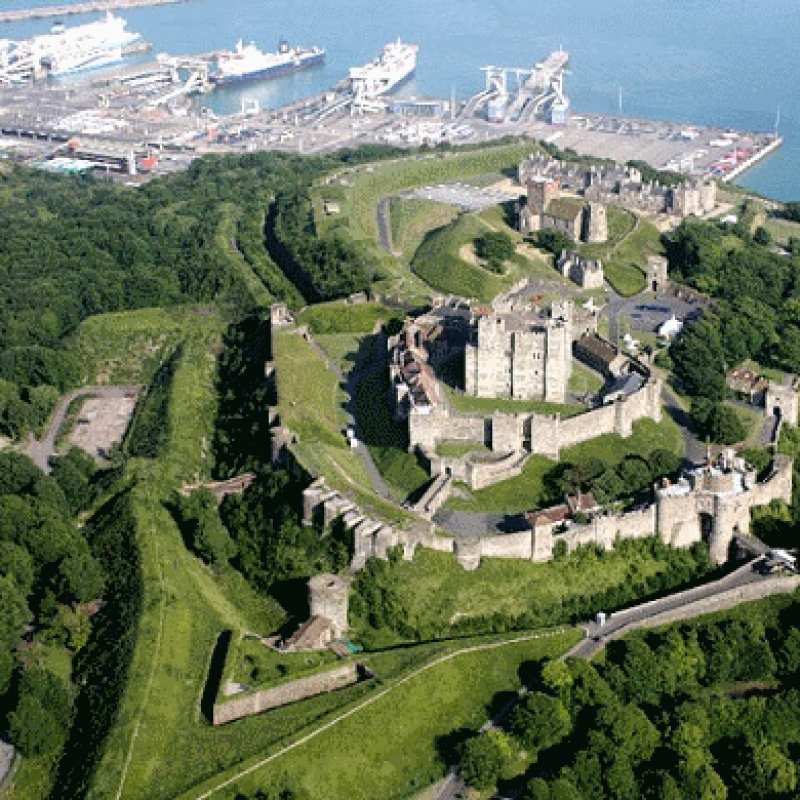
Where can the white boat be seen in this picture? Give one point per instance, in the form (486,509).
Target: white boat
(396,63)
(96,44)
(248,63)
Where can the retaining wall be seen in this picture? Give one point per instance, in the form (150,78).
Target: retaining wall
(284,694)
(721,602)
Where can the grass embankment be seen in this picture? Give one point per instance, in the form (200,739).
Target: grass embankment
(388,749)
(368,184)
(311,403)
(155,748)
(624,256)
(254,293)
(434,587)
(527,491)
(365,185)
(129,346)
(438,262)
(412,218)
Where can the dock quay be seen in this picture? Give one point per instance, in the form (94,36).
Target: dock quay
(87,7)
(157,111)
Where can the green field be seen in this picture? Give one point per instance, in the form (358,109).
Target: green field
(342,317)
(368,184)
(458,449)
(388,749)
(527,491)
(624,256)
(508,405)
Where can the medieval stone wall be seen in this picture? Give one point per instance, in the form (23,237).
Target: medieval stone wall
(286,693)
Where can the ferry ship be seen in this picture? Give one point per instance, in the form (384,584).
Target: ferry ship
(96,44)
(248,63)
(396,63)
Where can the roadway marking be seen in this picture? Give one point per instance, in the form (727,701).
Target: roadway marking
(371,700)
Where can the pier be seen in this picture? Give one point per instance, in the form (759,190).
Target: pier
(22,14)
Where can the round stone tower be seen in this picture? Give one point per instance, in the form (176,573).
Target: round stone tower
(327,597)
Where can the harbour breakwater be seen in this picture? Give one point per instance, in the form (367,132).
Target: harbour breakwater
(22,14)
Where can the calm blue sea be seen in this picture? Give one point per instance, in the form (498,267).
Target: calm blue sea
(731,64)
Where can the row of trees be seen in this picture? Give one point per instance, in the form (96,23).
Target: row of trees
(661,717)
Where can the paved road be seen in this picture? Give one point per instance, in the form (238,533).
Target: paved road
(41,450)
(382,219)
(598,635)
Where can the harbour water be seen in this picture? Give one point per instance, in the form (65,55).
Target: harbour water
(731,64)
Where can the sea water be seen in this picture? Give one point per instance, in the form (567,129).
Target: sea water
(730,64)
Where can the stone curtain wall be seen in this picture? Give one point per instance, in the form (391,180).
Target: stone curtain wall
(284,694)
(543,435)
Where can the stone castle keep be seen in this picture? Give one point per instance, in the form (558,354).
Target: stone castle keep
(526,356)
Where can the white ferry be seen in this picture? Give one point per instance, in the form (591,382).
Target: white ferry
(396,64)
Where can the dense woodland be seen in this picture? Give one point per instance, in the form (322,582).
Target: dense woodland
(50,581)
(703,710)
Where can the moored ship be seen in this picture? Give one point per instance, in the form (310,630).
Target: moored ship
(248,63)
(396,63)
(99,43)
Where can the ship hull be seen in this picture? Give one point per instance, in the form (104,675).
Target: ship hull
(276,71)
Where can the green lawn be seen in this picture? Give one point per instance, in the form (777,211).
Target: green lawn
(527,491)
(624,256)
(584,380)
(342,317)
(368,184)
(488,405)
(458,449)
(388,750)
